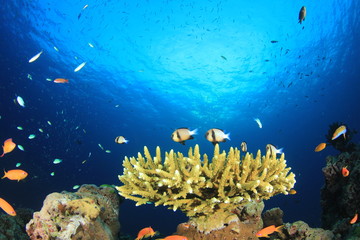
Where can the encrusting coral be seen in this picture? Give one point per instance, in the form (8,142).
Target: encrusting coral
(206,191)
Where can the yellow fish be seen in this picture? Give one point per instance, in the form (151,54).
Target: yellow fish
(340,130)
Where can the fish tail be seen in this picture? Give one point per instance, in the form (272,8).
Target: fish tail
(280,151)
(4,174)
(227,136)
(194,132)
(2,154)
(278,229)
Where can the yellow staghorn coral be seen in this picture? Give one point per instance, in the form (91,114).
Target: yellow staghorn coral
(206,191)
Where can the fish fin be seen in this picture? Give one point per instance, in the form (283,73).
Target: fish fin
(194,132)
(227,136)
(280,151)
(182,142)
(344,136)
(4,174)
(126,141)
(191,137)
(278,229)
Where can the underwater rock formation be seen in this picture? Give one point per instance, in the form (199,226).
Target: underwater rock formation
(88,214)
(340,196)
(14,227)
(243,228)
(300,230)
(207,191)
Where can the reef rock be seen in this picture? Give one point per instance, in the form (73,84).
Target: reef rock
(340,196)
(14,227)
(300,230)
(244,227)
(91,213)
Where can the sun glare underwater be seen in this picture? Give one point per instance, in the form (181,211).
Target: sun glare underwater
(142,69)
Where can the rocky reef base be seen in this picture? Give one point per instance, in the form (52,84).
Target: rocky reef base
(88,214)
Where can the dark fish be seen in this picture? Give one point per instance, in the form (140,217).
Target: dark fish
(223,57)
(274,41)
(302,14)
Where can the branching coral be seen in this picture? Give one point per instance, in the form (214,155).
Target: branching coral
(207,191)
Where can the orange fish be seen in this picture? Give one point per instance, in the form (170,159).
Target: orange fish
(15,174)
(320,147)
(8,146)
(61,80)
(7,207)
(145,232)
(269,230)
(292,191)
(354,219)
(174,237)
(345,172)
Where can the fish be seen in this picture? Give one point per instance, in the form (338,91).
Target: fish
(243,146)
(78,68)
(340,130)
(320,147)
(61,80)
(19,128)
(146,232)
(302,14)
(31,136)
(48,122)
(223,57)
(8,146)
(16,174)
(121,140)
(345,172)
(90,45)
(100,146)
(354,219)
(20,101)
(292,191)
(7,207)
(258,122)
(274,41)
(34,58)
(52,174)
(20,147)
(29,76)
(268,230)
(85,7)
(41,130)
(57,161)
(216,135)
(56,49)
(107,151)
(174,237)
(76,187)
(273,149)
(18,165)
(181,135)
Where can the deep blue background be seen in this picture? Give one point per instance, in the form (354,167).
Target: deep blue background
(170,64)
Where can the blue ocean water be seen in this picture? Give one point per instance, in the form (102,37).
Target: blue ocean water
(154,66)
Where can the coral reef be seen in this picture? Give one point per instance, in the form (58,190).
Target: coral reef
(207,191)
(340,196)
(14,227)
(300,230)
(247,223)
(89,213)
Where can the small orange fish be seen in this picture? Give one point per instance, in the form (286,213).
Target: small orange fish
(292,191)
(345,172)
(354,219)
(320,147)
(15,174)
(61,80)
(269,230)
(7,207)
(8,146)
(145,232)
(174,237)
